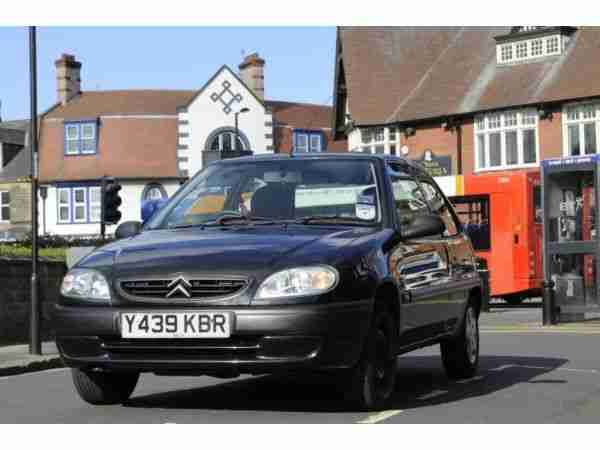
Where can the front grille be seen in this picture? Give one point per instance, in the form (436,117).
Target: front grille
(232,348)
(197,289)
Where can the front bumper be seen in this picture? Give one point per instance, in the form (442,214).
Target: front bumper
(264,340)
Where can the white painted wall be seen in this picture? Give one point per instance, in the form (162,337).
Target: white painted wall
(204,116)
(131,194)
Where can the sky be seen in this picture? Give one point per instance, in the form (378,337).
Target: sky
(299,60)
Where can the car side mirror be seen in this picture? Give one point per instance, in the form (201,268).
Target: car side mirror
(128,229)
(424,225)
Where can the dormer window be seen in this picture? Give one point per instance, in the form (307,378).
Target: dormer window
(537,47)
(522,50)
(552,45)
(531,43)
(80,138)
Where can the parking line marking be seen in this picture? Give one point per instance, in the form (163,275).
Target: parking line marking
(380,416)
(566,369)
(470,380)
(432,394)
(523,366)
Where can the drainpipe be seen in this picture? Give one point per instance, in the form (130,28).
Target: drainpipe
(459,150)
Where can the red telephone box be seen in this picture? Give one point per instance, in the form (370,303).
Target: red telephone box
(501,212)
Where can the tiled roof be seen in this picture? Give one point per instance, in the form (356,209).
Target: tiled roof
(142,148)
(18,167)
(22,125)
(402,74)
(125,102)
(300,115)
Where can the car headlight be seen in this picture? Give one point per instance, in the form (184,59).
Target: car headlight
(85,284)
(298,282)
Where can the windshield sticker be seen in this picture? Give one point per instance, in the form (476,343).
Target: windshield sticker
(365,212)
(365,199)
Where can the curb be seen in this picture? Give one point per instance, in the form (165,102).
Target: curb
(25,366)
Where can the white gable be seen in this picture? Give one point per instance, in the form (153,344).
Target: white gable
(212,112)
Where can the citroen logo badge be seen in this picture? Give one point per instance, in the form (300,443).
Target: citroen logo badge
(179,286)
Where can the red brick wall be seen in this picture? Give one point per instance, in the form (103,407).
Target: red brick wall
(284,141)
(127,148)
(431,137)
(444,142)
(550,136)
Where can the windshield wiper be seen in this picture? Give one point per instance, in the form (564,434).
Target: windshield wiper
(185,225)
(245,220)
(329,218)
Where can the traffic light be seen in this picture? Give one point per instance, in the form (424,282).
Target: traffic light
(110,201)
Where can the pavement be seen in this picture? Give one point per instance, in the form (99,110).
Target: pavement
(15,359)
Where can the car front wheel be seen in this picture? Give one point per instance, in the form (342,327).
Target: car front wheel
(460,355)
(372,380)
(104,388)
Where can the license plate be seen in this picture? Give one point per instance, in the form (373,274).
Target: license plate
(176,325)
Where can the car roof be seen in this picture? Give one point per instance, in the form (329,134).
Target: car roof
(416,167)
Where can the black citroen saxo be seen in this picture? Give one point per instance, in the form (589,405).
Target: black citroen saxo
(265,264)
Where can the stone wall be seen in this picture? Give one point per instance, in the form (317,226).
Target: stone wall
(15,297)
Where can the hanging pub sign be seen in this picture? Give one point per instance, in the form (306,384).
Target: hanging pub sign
(436,166)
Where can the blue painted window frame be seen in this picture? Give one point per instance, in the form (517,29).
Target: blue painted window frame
(79,125)
(309,135)
(71,188)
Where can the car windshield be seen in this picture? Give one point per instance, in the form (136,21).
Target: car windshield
(303,190)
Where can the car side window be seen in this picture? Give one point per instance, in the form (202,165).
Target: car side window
(408,198)
(439,205)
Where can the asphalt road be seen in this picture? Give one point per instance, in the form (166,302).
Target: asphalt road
(523,379)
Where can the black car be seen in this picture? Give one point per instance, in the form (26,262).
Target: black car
(260,265)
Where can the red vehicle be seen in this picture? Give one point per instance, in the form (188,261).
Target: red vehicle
(502,214)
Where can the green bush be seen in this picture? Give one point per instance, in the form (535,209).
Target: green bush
(20,251)
(56,241)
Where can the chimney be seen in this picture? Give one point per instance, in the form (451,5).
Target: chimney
(68,82)
(252,72)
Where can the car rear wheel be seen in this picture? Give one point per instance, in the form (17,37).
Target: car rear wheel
(104,388)
(372,380)
(461,354)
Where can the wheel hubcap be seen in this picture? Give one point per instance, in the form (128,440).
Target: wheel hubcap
(472,335)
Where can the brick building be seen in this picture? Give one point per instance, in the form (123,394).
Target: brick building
(469,99)
(153,140)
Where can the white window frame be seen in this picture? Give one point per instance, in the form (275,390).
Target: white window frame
(76,204)
(92,204)
(82,139)
(483,128)
(76,127)
(305,146)
(4,205)
(390,137)
(72,204)
(506,53)
(63,205)
(315,143)
(580,121)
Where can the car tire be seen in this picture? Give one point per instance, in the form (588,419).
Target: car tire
(460,355)
(104,388)
(372,380)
